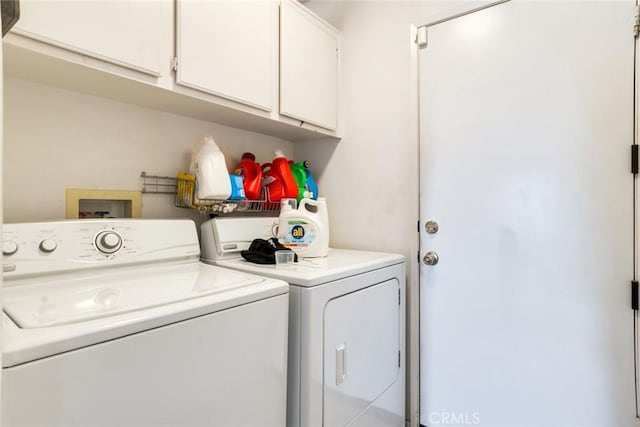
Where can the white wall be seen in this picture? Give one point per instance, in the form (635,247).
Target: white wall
(370,178)
(57,139)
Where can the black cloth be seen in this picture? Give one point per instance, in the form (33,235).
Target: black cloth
(264,251)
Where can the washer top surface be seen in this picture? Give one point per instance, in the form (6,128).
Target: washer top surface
(67,299)
(72,311)
(340,263)
(67,286)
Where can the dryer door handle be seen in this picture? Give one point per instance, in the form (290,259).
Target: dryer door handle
(341,363)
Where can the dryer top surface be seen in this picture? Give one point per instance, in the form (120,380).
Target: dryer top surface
(340,263)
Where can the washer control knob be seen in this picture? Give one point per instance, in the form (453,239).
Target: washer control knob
(9,247)
(48,245)
(108,242)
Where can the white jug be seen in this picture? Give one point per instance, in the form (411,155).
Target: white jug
(210,168)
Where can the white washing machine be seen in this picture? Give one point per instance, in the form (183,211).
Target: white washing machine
(346,327)
(117,323)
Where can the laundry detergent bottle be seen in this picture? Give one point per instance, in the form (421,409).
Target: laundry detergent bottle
(311,185)
(300,175)
(305,230)
(210,169)
(278,179)
(251,176)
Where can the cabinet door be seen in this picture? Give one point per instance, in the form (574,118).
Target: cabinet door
(229,48)
(308,67)
(126,33)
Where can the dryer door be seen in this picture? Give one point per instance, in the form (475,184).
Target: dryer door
(361,350)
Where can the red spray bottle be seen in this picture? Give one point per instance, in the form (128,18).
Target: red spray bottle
(278,179)
(251,175)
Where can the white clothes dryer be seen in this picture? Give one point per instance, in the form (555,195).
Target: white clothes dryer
(346,327)
(117,323)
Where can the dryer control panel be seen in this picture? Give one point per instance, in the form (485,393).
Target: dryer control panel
(51,247)
(224,238)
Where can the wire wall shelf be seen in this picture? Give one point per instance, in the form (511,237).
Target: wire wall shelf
(184,191)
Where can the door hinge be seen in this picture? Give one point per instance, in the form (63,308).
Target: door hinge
(636,23)
(634,159)
(398,358)
(418,226)
(421,37)
(634,295)
(174,63)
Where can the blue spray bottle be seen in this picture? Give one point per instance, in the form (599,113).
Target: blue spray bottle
(311,183)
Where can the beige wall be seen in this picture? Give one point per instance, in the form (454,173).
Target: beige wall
(57,139)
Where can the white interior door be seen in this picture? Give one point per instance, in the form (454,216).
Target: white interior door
(525,132)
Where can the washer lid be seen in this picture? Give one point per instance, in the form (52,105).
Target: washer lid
(340,263)
(74,298)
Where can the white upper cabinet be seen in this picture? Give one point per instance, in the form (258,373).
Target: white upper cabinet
(269,66)
(309,61)
(126,33)
(229,48)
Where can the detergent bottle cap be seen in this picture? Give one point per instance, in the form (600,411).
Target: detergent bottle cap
(250,156)
(288,204)
(211,143)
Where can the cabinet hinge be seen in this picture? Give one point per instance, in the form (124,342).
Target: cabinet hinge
(421,37)
(634,159)
(636,23)
(398,296)
(398,358)
(174,63)
(634,295)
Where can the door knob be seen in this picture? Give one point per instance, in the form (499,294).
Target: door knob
(431,258)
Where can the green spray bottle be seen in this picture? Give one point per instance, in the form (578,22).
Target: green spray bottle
(300,175)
